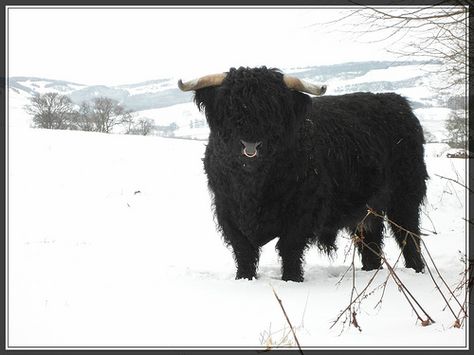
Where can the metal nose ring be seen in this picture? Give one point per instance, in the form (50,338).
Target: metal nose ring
(250,149)
(249,155)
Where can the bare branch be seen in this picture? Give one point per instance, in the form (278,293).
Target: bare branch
(288,320)
(456,182)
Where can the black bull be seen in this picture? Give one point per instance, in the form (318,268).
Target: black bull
(281,164)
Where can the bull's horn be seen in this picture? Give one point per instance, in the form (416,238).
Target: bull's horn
(202,82)
(303,86)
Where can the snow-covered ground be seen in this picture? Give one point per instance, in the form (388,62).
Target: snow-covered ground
(182,115)
(112,243)
(433,120)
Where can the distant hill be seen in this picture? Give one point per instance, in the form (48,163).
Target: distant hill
(159,93)
(140,96)
(173,113)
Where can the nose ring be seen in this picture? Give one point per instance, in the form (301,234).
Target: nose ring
(249,155)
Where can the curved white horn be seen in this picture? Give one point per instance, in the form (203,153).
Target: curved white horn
(202,82)
(303,86)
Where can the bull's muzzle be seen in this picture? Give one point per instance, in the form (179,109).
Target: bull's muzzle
(250,149)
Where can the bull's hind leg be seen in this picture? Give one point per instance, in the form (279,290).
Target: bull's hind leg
(406,215)
(371,232)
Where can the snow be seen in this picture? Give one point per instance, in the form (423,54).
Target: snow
(436,149)
(395,73)
(152,87)
(391,74)
(433,120)
(44,86)
(182,115)
(112,242)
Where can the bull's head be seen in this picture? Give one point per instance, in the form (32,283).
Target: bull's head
(253,111)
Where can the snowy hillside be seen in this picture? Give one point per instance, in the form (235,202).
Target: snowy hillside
(150,86)
(112,243)
(163,103)
(140,96)
(29,86)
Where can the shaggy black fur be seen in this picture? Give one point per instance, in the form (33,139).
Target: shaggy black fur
(320,163)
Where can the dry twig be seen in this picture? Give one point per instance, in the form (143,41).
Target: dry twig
(413,302)
(288,320)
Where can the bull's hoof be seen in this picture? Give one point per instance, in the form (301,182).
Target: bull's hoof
(415,264)
(294,278)
(372,267)
(417,267)
(240,276)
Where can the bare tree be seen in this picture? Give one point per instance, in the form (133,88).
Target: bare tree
(438,33)
(434,32)
(429,137)
(83,119)
(457,130)
(144,126)
(51,110)
(107,113)
(129,124)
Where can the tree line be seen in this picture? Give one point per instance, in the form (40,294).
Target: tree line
(54,111)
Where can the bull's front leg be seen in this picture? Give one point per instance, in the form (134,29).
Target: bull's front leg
(246,255)
(291,247)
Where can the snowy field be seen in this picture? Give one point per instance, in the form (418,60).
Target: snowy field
(112,243)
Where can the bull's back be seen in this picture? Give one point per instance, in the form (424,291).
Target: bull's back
(363,140)
(366,111)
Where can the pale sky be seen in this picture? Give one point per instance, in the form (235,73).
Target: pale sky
(114,46)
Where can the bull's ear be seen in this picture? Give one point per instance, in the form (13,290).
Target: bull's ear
(302,104)
(204,98)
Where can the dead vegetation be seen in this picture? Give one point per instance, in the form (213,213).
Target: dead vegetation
(455,298)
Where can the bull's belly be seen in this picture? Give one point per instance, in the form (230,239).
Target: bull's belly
(348,216)
(262,234)
(261,231)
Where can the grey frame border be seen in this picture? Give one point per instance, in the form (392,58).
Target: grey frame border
(199,348)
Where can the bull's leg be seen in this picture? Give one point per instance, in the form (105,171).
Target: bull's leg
(291,250)
(371,247)
(406,215)
(246,255)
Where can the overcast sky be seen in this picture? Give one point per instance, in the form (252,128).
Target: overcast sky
(129,45)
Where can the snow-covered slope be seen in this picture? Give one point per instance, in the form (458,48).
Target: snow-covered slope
(29,86)
(112,243)
(163,103)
